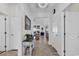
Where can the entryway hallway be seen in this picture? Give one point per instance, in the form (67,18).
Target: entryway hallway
(22,24)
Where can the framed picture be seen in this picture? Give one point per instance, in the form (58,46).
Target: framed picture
(34,26)
(27,23)
(38,26)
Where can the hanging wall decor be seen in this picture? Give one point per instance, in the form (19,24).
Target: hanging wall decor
(27,23)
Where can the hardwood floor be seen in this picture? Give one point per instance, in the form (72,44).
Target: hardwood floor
(9,53)
(43,49)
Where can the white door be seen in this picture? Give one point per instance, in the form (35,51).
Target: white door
(2,35)
(14,33)
(72,33)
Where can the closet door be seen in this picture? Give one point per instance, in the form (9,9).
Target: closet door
(72,33)
(14,33)
(2,33)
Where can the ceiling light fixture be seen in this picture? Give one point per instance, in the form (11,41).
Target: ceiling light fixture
(42,5)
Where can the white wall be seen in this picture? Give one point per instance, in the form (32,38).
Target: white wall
(57,30)
(74,7)
(3,9)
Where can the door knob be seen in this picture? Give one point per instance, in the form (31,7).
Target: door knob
(12,34)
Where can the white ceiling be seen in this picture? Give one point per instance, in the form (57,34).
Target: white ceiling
(34,8)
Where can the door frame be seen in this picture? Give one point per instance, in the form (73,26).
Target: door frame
(5,32)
